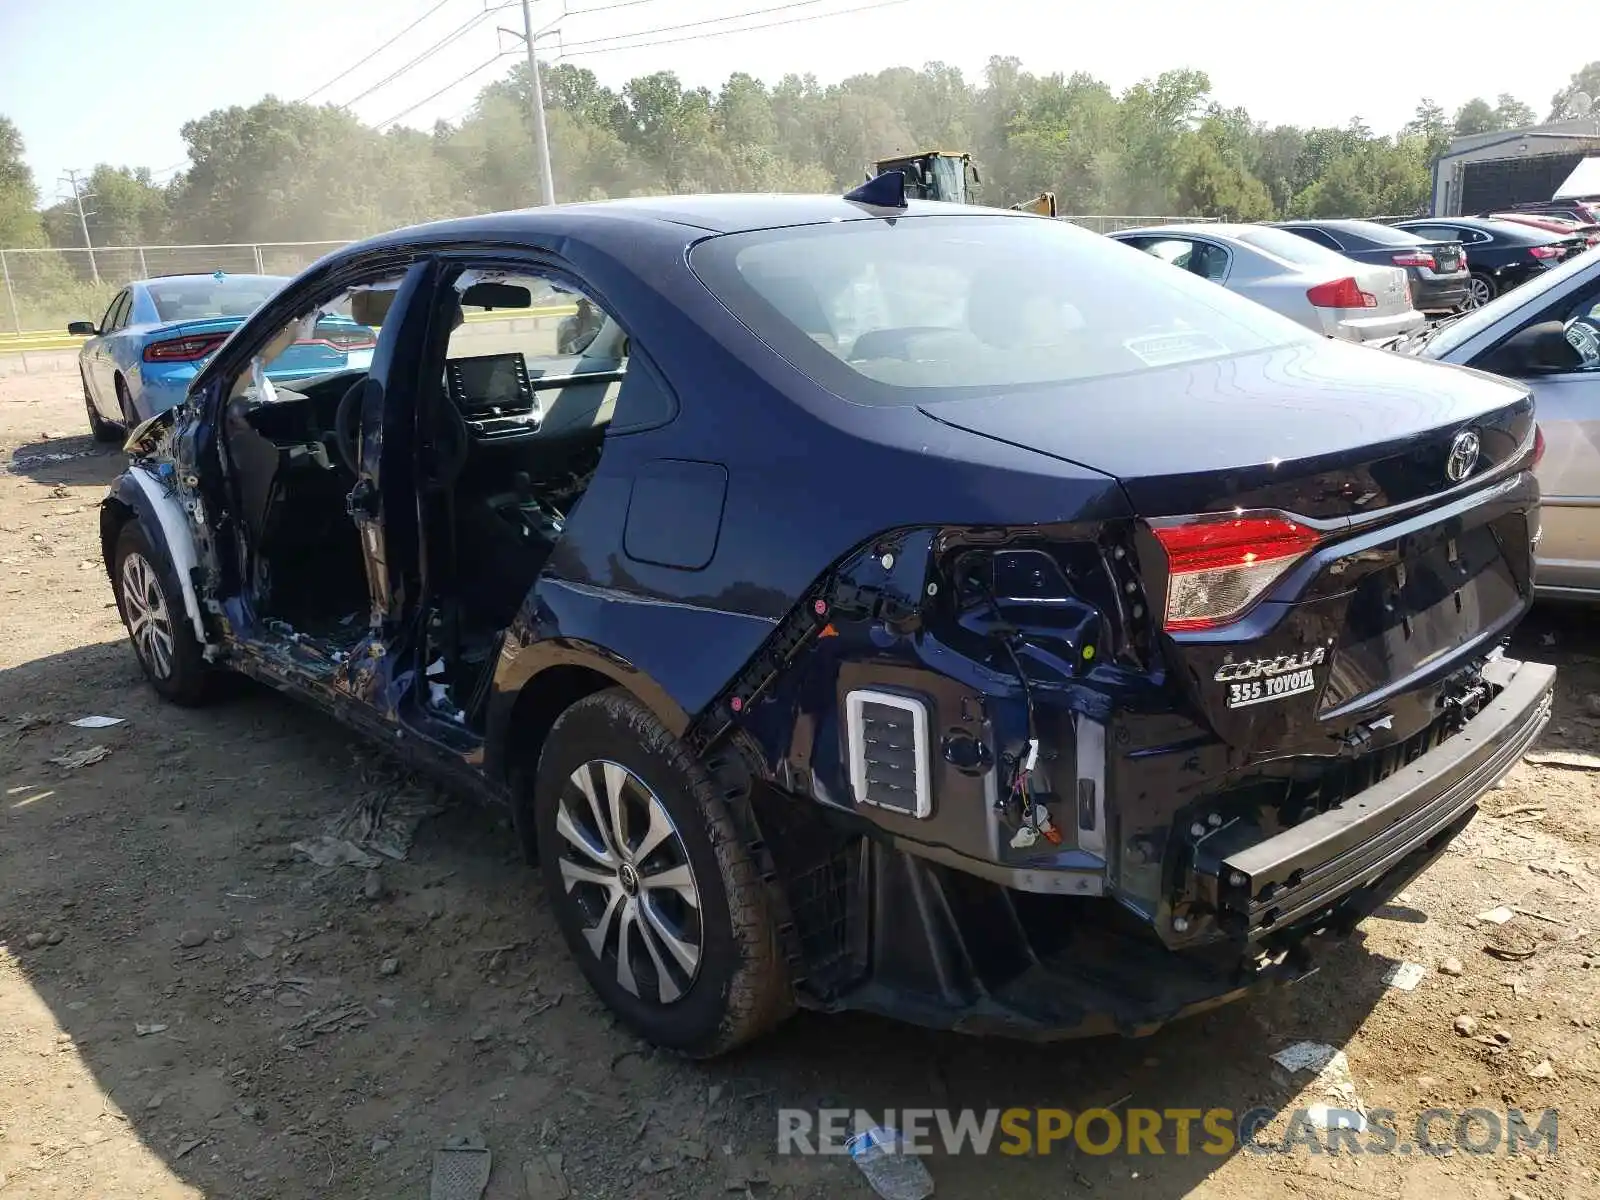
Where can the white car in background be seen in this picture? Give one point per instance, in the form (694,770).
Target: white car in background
(1320,288)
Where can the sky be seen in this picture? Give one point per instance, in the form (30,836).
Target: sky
(114,80)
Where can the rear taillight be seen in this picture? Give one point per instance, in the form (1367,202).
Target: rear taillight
(184,349)
(1545,252)
(1218,566)
(1341,293)
(1415,258)
(1538,445)
(341,339)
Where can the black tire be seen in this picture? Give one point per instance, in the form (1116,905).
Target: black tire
(103,430)
(151,605)
(1481,289)
(130,415)
(739,986)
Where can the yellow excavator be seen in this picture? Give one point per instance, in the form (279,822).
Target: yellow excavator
(950,175)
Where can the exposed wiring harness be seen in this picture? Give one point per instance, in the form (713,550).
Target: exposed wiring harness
(1008,635)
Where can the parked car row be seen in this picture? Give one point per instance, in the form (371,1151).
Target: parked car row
(1315,286)
(1448,264)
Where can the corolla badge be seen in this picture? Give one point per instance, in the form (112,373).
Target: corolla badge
(1463,456)
(1260,680)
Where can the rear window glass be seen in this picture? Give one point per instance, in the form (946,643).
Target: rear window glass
(922,308)
(1290,247)
(192,299)
(1378,235)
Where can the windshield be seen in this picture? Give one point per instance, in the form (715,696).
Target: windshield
(1475,322)
(229,296)
(898,311)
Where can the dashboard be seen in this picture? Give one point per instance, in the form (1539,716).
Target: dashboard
(501,400)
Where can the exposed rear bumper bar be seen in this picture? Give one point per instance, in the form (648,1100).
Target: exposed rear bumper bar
(1300,873)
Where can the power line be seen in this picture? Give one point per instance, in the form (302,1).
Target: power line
(454,82)
(694,37)
(617,37)
(581,12)
(606,49)
(362,62)
(455,35)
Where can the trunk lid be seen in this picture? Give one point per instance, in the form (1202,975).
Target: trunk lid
(1317,428)
(1448,257)
(1387,285)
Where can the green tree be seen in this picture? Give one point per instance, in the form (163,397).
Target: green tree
(1475,116)
(19,222)
(1431,125)
(1585,80)
(1511,113)
(1211,181)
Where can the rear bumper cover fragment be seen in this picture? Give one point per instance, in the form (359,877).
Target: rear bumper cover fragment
(1303,871)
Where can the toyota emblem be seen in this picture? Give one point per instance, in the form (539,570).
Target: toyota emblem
(1463,456)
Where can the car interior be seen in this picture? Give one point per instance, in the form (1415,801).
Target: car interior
(511,436)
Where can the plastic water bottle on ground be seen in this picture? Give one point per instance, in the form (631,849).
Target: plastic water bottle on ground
(893,1174)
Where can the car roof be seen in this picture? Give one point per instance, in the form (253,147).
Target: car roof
(726,213)
(1215,228)
(1510,230)
(202,276)
(1347,224)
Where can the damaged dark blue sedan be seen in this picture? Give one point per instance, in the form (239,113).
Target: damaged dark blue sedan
(929,610)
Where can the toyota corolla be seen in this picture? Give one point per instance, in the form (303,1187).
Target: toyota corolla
(904,607)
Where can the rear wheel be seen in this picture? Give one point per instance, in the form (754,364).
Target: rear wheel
(152,608)
(103,430)
(130,415)
(652,887)
(1480,290)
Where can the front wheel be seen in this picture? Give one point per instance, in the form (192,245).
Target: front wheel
(654,891)
(152,608)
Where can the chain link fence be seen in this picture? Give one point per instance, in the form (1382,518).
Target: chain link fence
(44,289)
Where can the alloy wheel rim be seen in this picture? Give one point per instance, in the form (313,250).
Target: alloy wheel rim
(625,868)
(149,621)
(1477,294)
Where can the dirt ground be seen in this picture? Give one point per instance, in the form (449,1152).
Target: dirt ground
(207,1013)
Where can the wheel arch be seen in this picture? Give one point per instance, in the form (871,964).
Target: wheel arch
(520,722)
(135,496)
(537,686)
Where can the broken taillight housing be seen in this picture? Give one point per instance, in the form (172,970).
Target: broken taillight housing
(1218,566)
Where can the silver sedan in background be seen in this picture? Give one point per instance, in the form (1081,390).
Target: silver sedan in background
(1320,288)
(1546,334)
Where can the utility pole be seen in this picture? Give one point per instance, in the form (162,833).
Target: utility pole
(541,137)
(71,179)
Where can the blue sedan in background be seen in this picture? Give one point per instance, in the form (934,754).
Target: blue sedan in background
(158,333)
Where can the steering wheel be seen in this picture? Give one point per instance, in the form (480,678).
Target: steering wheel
(347,426)
(1584,337)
